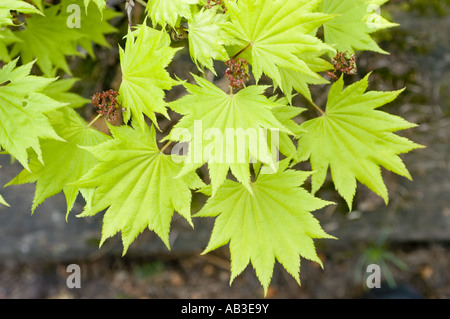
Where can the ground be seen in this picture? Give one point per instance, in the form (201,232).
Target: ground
(418,61)
(194,276)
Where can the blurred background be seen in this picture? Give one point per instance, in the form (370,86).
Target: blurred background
(409,238)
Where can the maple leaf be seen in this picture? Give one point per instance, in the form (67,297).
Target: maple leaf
(350,30)
(6,6)
(23,110)
(2,201)
(58,91)
(210,113)
(354,140)
(291,79)
(38,4)
(7,38)
(135,181)
(144,77)
(274,222)
(169,12)
(49,40)
(285,113)
(101,4)
(207,39)
(65,162)
(272,33)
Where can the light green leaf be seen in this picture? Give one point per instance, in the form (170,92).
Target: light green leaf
(207,39)
(224,130)
(65,162)
(58,91)
(354,140)
(356,20)
(6,6)
(49,39)
(144,77)
(101,4)
(274,33)
(23,109)
(285,113)
(169,12)
(135,182)
(7,38)
(291,79)
(271,223)
(2,201)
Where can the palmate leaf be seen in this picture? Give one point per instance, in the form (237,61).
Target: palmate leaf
(2,201)
(59,91)
(169,12)
(7,38)
(207,38)
(144,77)
(65,162)
(275,33)
(49,39)
(285,113)
(274,222)
(101,4)
(292,80)
(354,140)
(23,109)
(135,182)
(214,123)
(356,19)
(6,6)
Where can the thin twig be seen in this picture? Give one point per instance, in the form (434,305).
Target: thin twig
(316,107)
(95,119)
(165,146)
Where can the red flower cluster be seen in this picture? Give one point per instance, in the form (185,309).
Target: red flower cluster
(107,104)
(237,72)
(343,64)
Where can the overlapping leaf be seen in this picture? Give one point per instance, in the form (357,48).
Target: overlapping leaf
(224,129)
(49,39)
(7,38)
(2,200)
(65,162)
(135,182)
(101,4)
(272,223)
(60,91)
(144,77)
(292,80)
(285,113)
(273,33)
(23,109)
(169,12)
(207,39)
(350,30)
(6,6)
(354,140)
